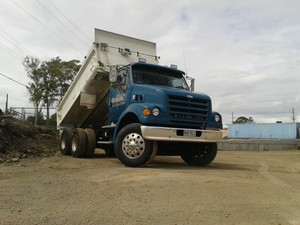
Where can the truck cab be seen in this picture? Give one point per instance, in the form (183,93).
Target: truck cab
(136,110)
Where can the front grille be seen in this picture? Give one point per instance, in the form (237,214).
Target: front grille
(188,110)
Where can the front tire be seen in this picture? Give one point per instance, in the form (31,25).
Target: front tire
(200,154)
(132,149)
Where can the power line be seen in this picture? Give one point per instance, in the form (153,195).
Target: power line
(48,29)
(82,41)
(18,100)
(74,25)
(13,80)
(15,41)
(8,50)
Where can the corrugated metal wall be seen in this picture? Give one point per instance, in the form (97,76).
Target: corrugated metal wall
(264,130)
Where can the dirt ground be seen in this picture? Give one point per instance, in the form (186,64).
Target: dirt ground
(20,140)
(237,188)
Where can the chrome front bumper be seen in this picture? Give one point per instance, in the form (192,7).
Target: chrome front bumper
(180,134)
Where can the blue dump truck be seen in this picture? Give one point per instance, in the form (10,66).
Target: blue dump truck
(124,102)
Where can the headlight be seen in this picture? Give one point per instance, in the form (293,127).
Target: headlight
(155,112)
(217,118)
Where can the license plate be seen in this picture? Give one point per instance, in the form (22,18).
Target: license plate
(189,133)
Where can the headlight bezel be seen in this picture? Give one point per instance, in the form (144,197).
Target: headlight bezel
(217,118)
(155,111)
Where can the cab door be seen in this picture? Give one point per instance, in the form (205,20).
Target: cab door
(118,95)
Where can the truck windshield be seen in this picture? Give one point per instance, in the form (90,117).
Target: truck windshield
(159,77)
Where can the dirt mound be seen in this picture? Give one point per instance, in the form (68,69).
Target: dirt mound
(19,139)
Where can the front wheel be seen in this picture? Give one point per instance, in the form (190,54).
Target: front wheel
(200,154)
(132,149)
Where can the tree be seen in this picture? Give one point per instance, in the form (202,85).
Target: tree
(50,73)
(49,80)
(243,120)
(40,119)
(67,72)
(31,65)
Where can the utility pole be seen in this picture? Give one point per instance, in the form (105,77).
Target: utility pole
(293,115)
(6,105)
(232,117)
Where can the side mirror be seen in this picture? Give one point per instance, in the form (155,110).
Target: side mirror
(192,80)
(113,74)
(192,84)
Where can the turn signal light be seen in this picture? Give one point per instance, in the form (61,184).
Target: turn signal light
(146,112)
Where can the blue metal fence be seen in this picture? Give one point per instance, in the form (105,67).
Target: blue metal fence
(264,130)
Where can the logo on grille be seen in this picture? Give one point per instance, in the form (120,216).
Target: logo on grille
(189,96)
(185,116)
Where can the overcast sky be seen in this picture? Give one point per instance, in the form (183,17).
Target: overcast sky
(244,54)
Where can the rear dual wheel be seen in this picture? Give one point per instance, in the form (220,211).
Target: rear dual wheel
(78,142)
(90,142)
(65,141)
(78,146)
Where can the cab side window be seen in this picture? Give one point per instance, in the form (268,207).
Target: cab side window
(123,77)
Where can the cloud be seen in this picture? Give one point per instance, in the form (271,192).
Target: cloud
(244,54)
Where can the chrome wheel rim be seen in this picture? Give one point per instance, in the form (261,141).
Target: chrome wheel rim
(74,143)
(63,142)
(133,145)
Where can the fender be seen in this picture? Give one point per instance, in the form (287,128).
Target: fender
(133,110)
(216,124)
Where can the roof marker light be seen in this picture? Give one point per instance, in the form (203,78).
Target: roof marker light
(124,51)
(142,60)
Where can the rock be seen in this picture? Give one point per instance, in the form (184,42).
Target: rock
(2,123)
(15,159)
(24,156)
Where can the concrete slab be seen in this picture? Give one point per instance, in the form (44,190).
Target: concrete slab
(258,144)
